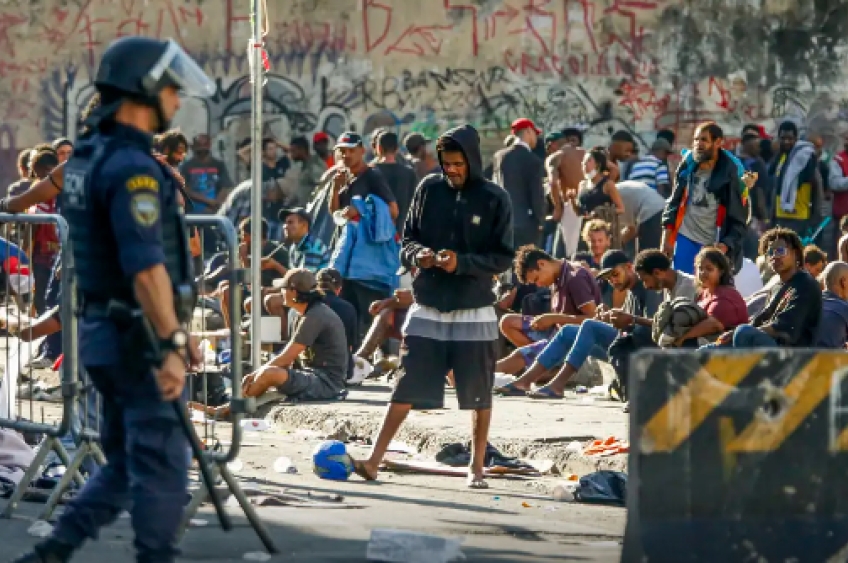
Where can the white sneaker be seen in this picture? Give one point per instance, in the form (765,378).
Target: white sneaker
(361,370)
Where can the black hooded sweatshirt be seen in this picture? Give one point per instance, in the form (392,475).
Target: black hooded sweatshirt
(474,221)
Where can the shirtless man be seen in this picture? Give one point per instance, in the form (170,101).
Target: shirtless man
(565,171)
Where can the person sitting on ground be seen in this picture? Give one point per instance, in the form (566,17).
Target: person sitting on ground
(575,295)
(833,329)
(389,315)
(717,296)
(318,344)
(305,250)
(815,260)
(575,344)
(794,306)
(274,266)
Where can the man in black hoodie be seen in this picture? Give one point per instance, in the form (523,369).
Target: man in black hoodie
(458,234)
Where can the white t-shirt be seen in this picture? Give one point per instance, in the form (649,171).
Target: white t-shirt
(748,280)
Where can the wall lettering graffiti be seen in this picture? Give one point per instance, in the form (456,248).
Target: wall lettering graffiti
(604,65)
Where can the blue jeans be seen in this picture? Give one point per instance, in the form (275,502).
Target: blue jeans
(575,344)
(747,336)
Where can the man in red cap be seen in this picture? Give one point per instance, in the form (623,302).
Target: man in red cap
(321,143)
(519,171)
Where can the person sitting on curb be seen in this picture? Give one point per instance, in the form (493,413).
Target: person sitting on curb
(318,341)
(575,344)
(575,296)
(794,307)
(833,329)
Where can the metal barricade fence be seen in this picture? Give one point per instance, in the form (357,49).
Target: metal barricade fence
(26,272)
(216,323)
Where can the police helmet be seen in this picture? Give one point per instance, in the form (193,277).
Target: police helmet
(142,66)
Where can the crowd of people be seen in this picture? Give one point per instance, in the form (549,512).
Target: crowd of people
(584,253)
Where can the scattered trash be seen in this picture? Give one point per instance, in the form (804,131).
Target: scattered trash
(340,430)
(235,466)
(561,493)
(496,498)
(574,447)
(285,465)
(401,447)
(608,446)
(40,529)
(255,425)
(580,389)
(197,523)
(526,505)
(256,556)
(400,546)
(599,391)
(602,487)
(544,466)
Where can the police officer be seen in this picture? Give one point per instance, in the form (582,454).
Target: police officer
(133,267)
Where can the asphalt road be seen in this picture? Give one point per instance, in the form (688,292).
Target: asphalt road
(514,521)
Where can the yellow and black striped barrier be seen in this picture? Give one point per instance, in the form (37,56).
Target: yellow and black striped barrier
(738,456)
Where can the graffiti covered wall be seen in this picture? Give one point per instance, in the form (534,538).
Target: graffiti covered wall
(425,65)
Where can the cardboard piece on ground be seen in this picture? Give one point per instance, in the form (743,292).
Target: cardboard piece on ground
(436,468)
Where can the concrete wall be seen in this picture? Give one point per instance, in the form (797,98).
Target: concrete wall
(424,65)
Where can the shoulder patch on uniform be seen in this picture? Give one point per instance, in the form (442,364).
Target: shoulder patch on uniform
(145,209)
(142,182)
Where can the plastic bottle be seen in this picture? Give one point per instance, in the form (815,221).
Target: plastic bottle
(208,352)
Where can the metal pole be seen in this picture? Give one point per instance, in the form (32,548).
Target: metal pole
(255,54)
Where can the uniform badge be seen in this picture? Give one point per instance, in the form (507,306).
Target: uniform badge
(145,209)
(475,220)
(142,182)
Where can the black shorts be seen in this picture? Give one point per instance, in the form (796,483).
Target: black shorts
(427,361)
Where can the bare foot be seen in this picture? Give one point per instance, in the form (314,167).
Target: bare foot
(364,470)
(220,412)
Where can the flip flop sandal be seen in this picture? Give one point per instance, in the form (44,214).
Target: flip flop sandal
(510,390)
(359,469)
(476,483)
(544,393)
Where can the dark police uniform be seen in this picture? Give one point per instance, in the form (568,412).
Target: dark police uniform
(122,210)
(124,218)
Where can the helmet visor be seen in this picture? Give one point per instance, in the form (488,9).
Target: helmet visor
(176,68)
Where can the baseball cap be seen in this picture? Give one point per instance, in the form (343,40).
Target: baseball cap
(298,279)
(661,145)
(612,259)
(329,278)
(320,137)
(299,211)
(524,123)
(348,140)
(554,137)
(415,141)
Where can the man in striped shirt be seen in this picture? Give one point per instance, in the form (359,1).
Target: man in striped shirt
(305,250)
(652,169)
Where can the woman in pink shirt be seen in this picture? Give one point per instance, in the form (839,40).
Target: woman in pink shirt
(724,305)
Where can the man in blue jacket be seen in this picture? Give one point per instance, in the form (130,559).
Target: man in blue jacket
(458,233)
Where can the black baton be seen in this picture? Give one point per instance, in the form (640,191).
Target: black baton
(223,517)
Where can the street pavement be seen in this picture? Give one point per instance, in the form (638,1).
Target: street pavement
(516,520)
